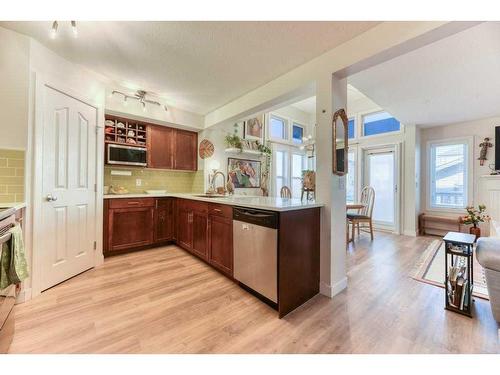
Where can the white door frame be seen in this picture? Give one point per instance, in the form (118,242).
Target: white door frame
(42,81)
(398,179)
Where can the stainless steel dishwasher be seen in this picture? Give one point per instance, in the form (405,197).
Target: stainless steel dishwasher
(255,246)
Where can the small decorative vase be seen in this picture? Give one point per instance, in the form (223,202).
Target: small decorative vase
(475,231)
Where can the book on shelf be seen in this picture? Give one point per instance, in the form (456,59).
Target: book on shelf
(457,285)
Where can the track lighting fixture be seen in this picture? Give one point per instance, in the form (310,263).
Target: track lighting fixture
(140,96)
(53,30)
(55,26)
(74,29)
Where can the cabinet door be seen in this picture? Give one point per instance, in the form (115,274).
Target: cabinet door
(185,150)
(221,243)
(160,147)
(164,220)
(200,234)
(184,228)
(130,227)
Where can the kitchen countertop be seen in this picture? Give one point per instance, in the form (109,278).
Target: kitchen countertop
(7,209)
(265,203)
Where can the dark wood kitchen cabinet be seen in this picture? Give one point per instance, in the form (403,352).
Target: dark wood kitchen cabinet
(160,147)
(164,220)
(185,150)
(128,223)
(192,227)
(220,238)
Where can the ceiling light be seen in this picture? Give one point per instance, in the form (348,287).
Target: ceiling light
(74,29)
(53,30)
(140,96)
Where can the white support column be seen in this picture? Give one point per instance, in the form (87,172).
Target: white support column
(411,180)
(331,94)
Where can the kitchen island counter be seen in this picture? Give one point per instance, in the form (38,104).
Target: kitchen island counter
(263,203)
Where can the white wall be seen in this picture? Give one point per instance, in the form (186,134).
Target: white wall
(14,89)
(479,129)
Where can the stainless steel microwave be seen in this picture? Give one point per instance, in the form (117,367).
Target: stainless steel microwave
(126,155)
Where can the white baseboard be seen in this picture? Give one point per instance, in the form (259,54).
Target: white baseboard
(332,290)
(411,233)
(24,295)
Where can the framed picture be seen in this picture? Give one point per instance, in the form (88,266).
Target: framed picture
(244,173)
(254,128)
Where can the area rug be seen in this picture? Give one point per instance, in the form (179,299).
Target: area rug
(430,269)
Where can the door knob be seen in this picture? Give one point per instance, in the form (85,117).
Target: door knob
(51,198)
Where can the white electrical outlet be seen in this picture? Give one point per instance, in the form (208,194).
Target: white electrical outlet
(138,182)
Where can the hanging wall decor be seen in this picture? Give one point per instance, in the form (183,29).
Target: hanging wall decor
(484,150)
(206,149)
(339,142)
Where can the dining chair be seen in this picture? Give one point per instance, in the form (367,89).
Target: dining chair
(364,215)
(285,192)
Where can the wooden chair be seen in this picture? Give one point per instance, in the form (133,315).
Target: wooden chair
(285,192)
(364,215)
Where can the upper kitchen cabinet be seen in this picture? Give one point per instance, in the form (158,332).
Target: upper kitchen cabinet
(185,150)
(160,147)
(148,145)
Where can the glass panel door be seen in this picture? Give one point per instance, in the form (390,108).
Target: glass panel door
(380,171)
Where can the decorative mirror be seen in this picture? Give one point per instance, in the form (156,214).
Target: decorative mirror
(340,124)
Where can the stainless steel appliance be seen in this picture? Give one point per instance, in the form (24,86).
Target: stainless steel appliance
(255,245)
(7,295)
(126,155)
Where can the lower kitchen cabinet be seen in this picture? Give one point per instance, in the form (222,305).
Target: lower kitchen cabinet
(129,228)
(164,220)
(220,234)
(200,234)
(192,227)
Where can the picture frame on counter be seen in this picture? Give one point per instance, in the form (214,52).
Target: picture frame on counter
(244,173)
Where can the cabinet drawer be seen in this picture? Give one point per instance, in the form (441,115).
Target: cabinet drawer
(220,210)
(130,202)
(164,202)
(189,205)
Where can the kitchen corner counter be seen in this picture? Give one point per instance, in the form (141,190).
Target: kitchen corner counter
(264,203)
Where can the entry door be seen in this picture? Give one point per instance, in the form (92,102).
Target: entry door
(68,187)
(381,174)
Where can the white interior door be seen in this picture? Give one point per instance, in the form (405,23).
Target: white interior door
(68,187)
(381,174)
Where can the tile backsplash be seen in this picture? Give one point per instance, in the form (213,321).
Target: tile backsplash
(152,179)
(11,176)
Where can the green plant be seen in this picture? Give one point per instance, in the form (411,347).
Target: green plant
(233,140)
(474,216)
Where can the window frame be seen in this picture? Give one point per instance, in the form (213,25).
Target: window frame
(299,125)
(362,125)
(286,125)
(468,173)
(355,122)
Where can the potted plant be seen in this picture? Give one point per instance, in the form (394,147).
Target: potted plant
(474,217)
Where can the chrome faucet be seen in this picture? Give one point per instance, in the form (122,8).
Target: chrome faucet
(223,181)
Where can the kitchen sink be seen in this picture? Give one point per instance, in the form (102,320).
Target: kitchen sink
(211,196)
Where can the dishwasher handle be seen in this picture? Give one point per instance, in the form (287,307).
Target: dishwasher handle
(261,218)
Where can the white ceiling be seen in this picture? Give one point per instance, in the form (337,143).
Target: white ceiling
(197,66)
(353,97)
(453,80)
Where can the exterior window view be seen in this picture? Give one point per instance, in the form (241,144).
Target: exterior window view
(238,184)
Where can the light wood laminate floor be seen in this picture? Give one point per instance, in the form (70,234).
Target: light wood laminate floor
(166,301)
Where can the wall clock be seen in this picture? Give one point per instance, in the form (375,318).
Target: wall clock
(206,149)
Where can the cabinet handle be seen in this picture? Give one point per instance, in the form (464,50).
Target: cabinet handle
(133,203)
(217,210)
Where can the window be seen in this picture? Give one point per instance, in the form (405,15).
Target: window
(288,166)
(350,128)
(378,123)
(351,177)
(277,129)
(297,133)
(298,165)
(448,174)
(281,169)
